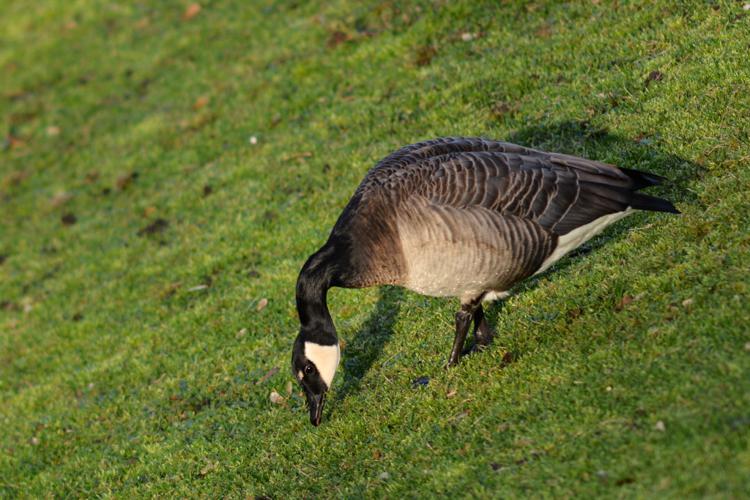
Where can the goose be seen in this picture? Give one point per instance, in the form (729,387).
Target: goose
(456,217)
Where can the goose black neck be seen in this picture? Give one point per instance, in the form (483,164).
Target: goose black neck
(314,280)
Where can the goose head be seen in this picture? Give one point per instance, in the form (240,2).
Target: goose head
(314,366)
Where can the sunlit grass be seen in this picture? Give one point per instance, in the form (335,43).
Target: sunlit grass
(137,361)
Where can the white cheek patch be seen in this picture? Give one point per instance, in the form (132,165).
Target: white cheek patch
(325,358)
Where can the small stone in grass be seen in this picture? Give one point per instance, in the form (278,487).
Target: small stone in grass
(241,333)
(687,303)
(276,398)
(384,476)
(746,6)
(420,382)
(53,130)
(659,426)
(289,388)
(210,466)
(253,140)
(34,441)
(262,303)
(747,346)
(28,304)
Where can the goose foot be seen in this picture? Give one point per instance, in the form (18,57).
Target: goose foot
(483,334)
(471,311)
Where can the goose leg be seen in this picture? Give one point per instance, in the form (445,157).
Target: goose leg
(483,334)
(463,320)
(464,317)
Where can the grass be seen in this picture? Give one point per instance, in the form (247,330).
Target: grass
(162,171)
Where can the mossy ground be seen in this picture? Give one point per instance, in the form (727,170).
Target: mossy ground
(164,169)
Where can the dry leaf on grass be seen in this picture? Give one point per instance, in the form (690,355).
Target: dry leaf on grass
(191,11)
(270,373)
(158,226)
(68,219)
(201,102)
(60,198)
(125,180)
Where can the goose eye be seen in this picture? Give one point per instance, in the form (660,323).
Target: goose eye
(309,369)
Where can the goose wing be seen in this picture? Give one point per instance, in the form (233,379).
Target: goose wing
(558,192)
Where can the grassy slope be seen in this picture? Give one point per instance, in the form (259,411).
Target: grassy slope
(116,378)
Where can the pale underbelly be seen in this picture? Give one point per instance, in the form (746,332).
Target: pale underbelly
(439,266)
(453,269)
(450,252)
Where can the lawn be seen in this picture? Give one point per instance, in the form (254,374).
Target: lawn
(166,169)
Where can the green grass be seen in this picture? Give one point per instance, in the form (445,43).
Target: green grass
(118,377)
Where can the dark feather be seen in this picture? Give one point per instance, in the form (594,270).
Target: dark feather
(559,192)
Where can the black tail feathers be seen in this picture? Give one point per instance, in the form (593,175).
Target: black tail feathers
(645,202)
(642,179)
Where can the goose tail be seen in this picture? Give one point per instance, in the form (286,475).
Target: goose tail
(641,201)
(642,179)
(652,203)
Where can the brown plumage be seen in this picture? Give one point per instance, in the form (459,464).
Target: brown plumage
(496,209)
(465,217)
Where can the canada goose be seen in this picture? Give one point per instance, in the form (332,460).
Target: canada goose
(456,217)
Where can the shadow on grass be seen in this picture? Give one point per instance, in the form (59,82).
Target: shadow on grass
(367,344)
(579,138)
(569,137)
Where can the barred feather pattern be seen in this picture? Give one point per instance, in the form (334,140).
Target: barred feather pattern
(464,216)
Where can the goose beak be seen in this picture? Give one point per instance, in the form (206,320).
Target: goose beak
(316,402)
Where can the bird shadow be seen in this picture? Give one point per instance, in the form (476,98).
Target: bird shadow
(578,138)
(368,343)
